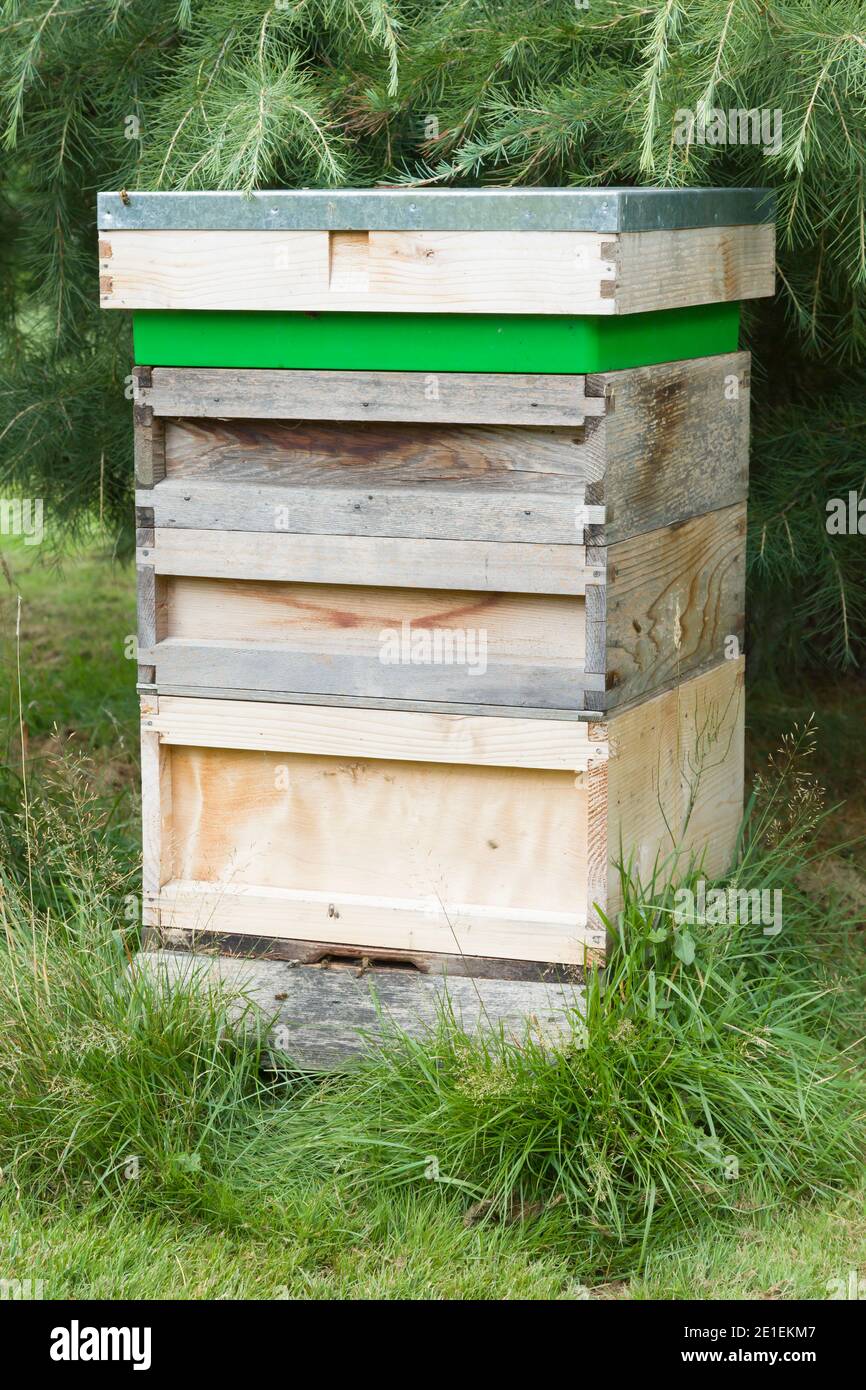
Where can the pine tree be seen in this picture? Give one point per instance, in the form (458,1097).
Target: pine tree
(245,94)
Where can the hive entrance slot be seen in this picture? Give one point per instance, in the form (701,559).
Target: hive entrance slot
(334,959)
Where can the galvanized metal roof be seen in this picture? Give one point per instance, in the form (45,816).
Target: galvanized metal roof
(431,210)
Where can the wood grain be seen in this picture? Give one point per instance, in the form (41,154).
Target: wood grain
(148,447)
(491,567)
(675,442)
(437,645)
(585,706)
(365,454)
(157,825)
(673,598)
(700,265)
(350,618)
(271,669)
(148,624)
(672,442)
(327,1018)
(485,860)
(427,512)
(403,272)
(556,745)
(449,398)
(329,955)
(435,272)
(675,778)
(431,924)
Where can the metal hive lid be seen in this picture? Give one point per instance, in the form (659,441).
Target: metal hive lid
(430,210)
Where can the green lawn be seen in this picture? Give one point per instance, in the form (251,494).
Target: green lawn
(77,679)
(243,1194)
(411,1249)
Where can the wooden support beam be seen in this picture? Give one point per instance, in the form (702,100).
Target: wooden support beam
(325,1019)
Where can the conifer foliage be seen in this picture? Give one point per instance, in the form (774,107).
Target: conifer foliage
(246,94)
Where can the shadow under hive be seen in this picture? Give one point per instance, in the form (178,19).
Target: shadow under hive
(441,559)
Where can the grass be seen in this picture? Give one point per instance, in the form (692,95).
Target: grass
(402,1248)
(146,1153)
(410,1248)
(78,674)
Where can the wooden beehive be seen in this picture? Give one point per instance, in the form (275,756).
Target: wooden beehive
(425,651)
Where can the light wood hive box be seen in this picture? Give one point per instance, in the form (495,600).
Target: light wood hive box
(441,507)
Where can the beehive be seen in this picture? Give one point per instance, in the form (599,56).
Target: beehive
(441,552)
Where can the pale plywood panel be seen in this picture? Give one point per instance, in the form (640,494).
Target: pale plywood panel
(562,745)
(488,566)
(405,925)
(346,619)
(212,270)
(597,831)
(436,272)
(489,272)
(157,834)
(406,272)
(675,774)
(507,838)
(497,649)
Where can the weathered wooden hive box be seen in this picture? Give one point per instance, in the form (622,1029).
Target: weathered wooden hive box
(441,560)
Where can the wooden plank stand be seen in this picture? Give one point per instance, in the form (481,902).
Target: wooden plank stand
(423,656)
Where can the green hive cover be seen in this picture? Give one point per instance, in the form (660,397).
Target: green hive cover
(432,342)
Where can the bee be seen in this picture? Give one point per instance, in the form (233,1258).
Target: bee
(124,197)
